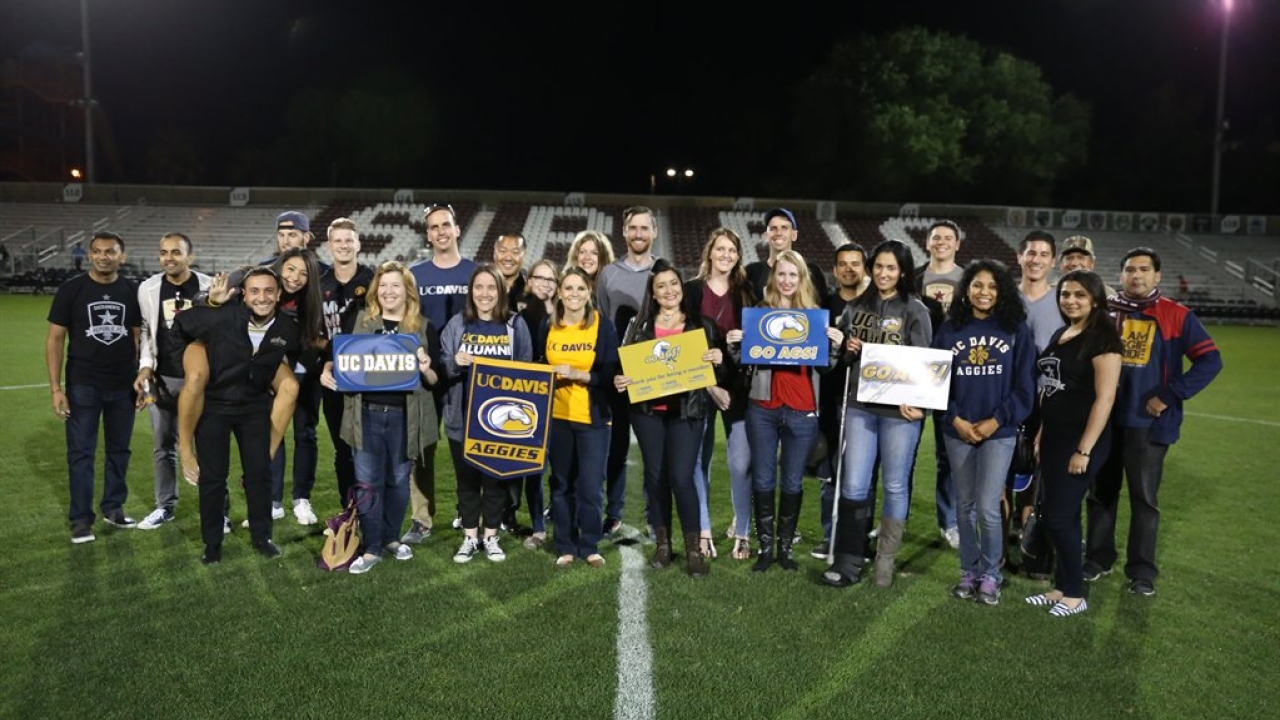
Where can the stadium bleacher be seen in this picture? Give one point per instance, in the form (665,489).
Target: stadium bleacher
(1225,277)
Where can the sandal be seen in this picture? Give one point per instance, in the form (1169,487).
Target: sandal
(564,561)
(741,549)
(535,541)
(708,547)
(596,560)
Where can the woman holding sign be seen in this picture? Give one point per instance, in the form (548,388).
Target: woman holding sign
(582,347)
(669,428)
(388,430)
(888,313)
(993,380)
(486,328)
(782,417)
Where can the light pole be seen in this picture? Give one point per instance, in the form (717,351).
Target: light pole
(88,93)
(1220,127)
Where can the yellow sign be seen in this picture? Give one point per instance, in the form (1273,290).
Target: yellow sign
(667,366)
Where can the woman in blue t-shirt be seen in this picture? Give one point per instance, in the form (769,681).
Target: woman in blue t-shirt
(487,327)
(993,380)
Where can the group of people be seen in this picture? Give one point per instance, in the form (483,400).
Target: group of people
(1096,377)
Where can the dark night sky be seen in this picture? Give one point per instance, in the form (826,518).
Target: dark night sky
(595,96)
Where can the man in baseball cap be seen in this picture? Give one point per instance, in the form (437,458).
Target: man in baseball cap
(293,229)
(1077,254)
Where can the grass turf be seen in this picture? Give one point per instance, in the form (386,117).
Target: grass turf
(132,624)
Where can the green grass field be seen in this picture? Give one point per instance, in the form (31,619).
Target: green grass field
(133,625)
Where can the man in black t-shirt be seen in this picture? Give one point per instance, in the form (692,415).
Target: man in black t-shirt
(161,297)
(343,287)
(95,318)
(247,342)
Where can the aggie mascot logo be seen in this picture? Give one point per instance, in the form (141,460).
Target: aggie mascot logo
(785,328)
(507,417)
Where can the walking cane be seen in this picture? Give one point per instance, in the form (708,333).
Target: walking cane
(835,477)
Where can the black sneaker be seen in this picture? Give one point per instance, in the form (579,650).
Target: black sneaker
(819,551)
(611,526)
(1142,586)
(82,532)
(266,548)
(212,555)
(1093,571)
(119,519)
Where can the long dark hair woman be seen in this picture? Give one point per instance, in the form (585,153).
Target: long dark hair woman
(669,429)
(1079,373)
(301,298)
(887,313)
(993,383)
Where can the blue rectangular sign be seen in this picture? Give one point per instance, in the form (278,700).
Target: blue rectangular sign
(376,363)
(779,336)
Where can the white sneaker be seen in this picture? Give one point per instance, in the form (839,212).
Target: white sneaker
(158,517)
(457,523)
(226,525)
(402,552)
(303,513)
(467,551)
(493,550)
(277,512)
(362,565)
(952,536)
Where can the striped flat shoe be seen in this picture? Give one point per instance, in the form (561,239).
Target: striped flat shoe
(1041,600)
(1061,609)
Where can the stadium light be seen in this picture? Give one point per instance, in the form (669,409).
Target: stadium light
(1220,122)
(76,174)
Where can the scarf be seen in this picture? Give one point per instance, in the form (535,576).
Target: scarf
(1122,304)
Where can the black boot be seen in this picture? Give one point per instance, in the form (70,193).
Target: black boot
(850,532)
(764,530)
(788,516)
(662,550)
(697,563)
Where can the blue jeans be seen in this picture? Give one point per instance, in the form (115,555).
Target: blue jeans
(164,447)
(702,472)
(382,476)
(115,409)
(767,430)
(945,491)
(577,453)
(738,458)
(892,440)
(306,417)
(979,472)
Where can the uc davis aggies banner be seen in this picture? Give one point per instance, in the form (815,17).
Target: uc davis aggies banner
(376,363)
(508,417)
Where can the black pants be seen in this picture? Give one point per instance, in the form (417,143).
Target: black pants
(252,430)
(479,494)
(1133,456)
(344,464)
(1063,495)
(669,447)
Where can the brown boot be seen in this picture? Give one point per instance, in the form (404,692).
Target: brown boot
(887,547)
(697,562)
(662,550)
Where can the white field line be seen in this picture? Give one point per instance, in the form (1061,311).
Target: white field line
(23,387)
(1228,418)
(635,658)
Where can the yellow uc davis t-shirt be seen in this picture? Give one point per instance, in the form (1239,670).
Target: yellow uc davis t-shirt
(576,347)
